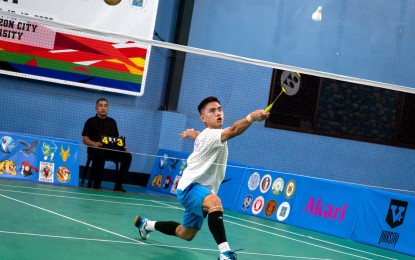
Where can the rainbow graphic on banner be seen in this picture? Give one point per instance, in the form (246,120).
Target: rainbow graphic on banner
(41,52)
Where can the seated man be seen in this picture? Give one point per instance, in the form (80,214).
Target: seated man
(96,127)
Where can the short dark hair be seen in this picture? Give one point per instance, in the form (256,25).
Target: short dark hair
(206,101)
(101,99)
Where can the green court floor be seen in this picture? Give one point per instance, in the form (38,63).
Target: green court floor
(41,221)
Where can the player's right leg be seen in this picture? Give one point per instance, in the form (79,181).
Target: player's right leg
(141,224)
(213,205)
(191,199)
(145,227)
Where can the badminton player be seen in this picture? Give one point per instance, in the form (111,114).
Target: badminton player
(197,189)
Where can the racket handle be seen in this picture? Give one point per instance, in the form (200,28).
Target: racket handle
(269,108)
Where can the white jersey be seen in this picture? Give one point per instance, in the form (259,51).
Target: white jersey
(207,163)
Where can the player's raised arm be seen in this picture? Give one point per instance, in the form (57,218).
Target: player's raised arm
(190,133)
(241,125)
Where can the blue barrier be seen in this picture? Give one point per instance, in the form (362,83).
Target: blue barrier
(168,169)
(39,159)
(374,217)
(386,220)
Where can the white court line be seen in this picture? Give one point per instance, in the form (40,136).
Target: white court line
(309,237)
(164,205)
(87,199)
(88,194)
(156,245)
(301,235)
(300,241)
(63,216)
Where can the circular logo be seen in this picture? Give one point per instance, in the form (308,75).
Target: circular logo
(270,208)
(290,81)
(278,186)
(247,202)
(290,189)
(258,205)
(253,181)
(63,174)
(7,144)
(112,2)
(283,211)
(265,183)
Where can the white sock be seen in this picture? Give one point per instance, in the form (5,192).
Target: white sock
(223,247)
(150,225)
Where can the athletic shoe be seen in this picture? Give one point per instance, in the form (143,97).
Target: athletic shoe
(141,224)
(227,255)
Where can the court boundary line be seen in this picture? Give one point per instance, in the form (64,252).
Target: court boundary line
(158,245)
(303,242)
(87,199)
(82,189)
(75,220)
(313,238)
(164,205)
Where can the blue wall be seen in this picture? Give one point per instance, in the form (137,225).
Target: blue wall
(298,153)
(364,39)
(44,108)
(60,111)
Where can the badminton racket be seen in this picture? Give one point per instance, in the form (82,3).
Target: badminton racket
(290,84)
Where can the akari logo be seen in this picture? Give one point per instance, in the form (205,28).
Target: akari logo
(328,211)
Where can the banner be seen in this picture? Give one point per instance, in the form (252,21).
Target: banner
(52,53)
(268,195)
(374,217)
(39,159)
(128,17)
(168,169)
(324,206)
(386,220)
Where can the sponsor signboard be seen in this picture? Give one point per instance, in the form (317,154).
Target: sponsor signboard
(82,54)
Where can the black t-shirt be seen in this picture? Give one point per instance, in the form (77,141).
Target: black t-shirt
(95,127)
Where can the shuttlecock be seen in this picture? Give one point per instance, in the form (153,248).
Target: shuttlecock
(317,15)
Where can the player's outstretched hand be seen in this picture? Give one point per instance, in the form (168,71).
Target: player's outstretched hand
(190,132)
(259,115)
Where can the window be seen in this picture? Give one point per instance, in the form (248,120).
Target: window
(406,129)
(296,112)
(345,110)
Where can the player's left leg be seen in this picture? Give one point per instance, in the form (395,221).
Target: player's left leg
(213,205)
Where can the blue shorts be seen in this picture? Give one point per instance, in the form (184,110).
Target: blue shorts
(191,199)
